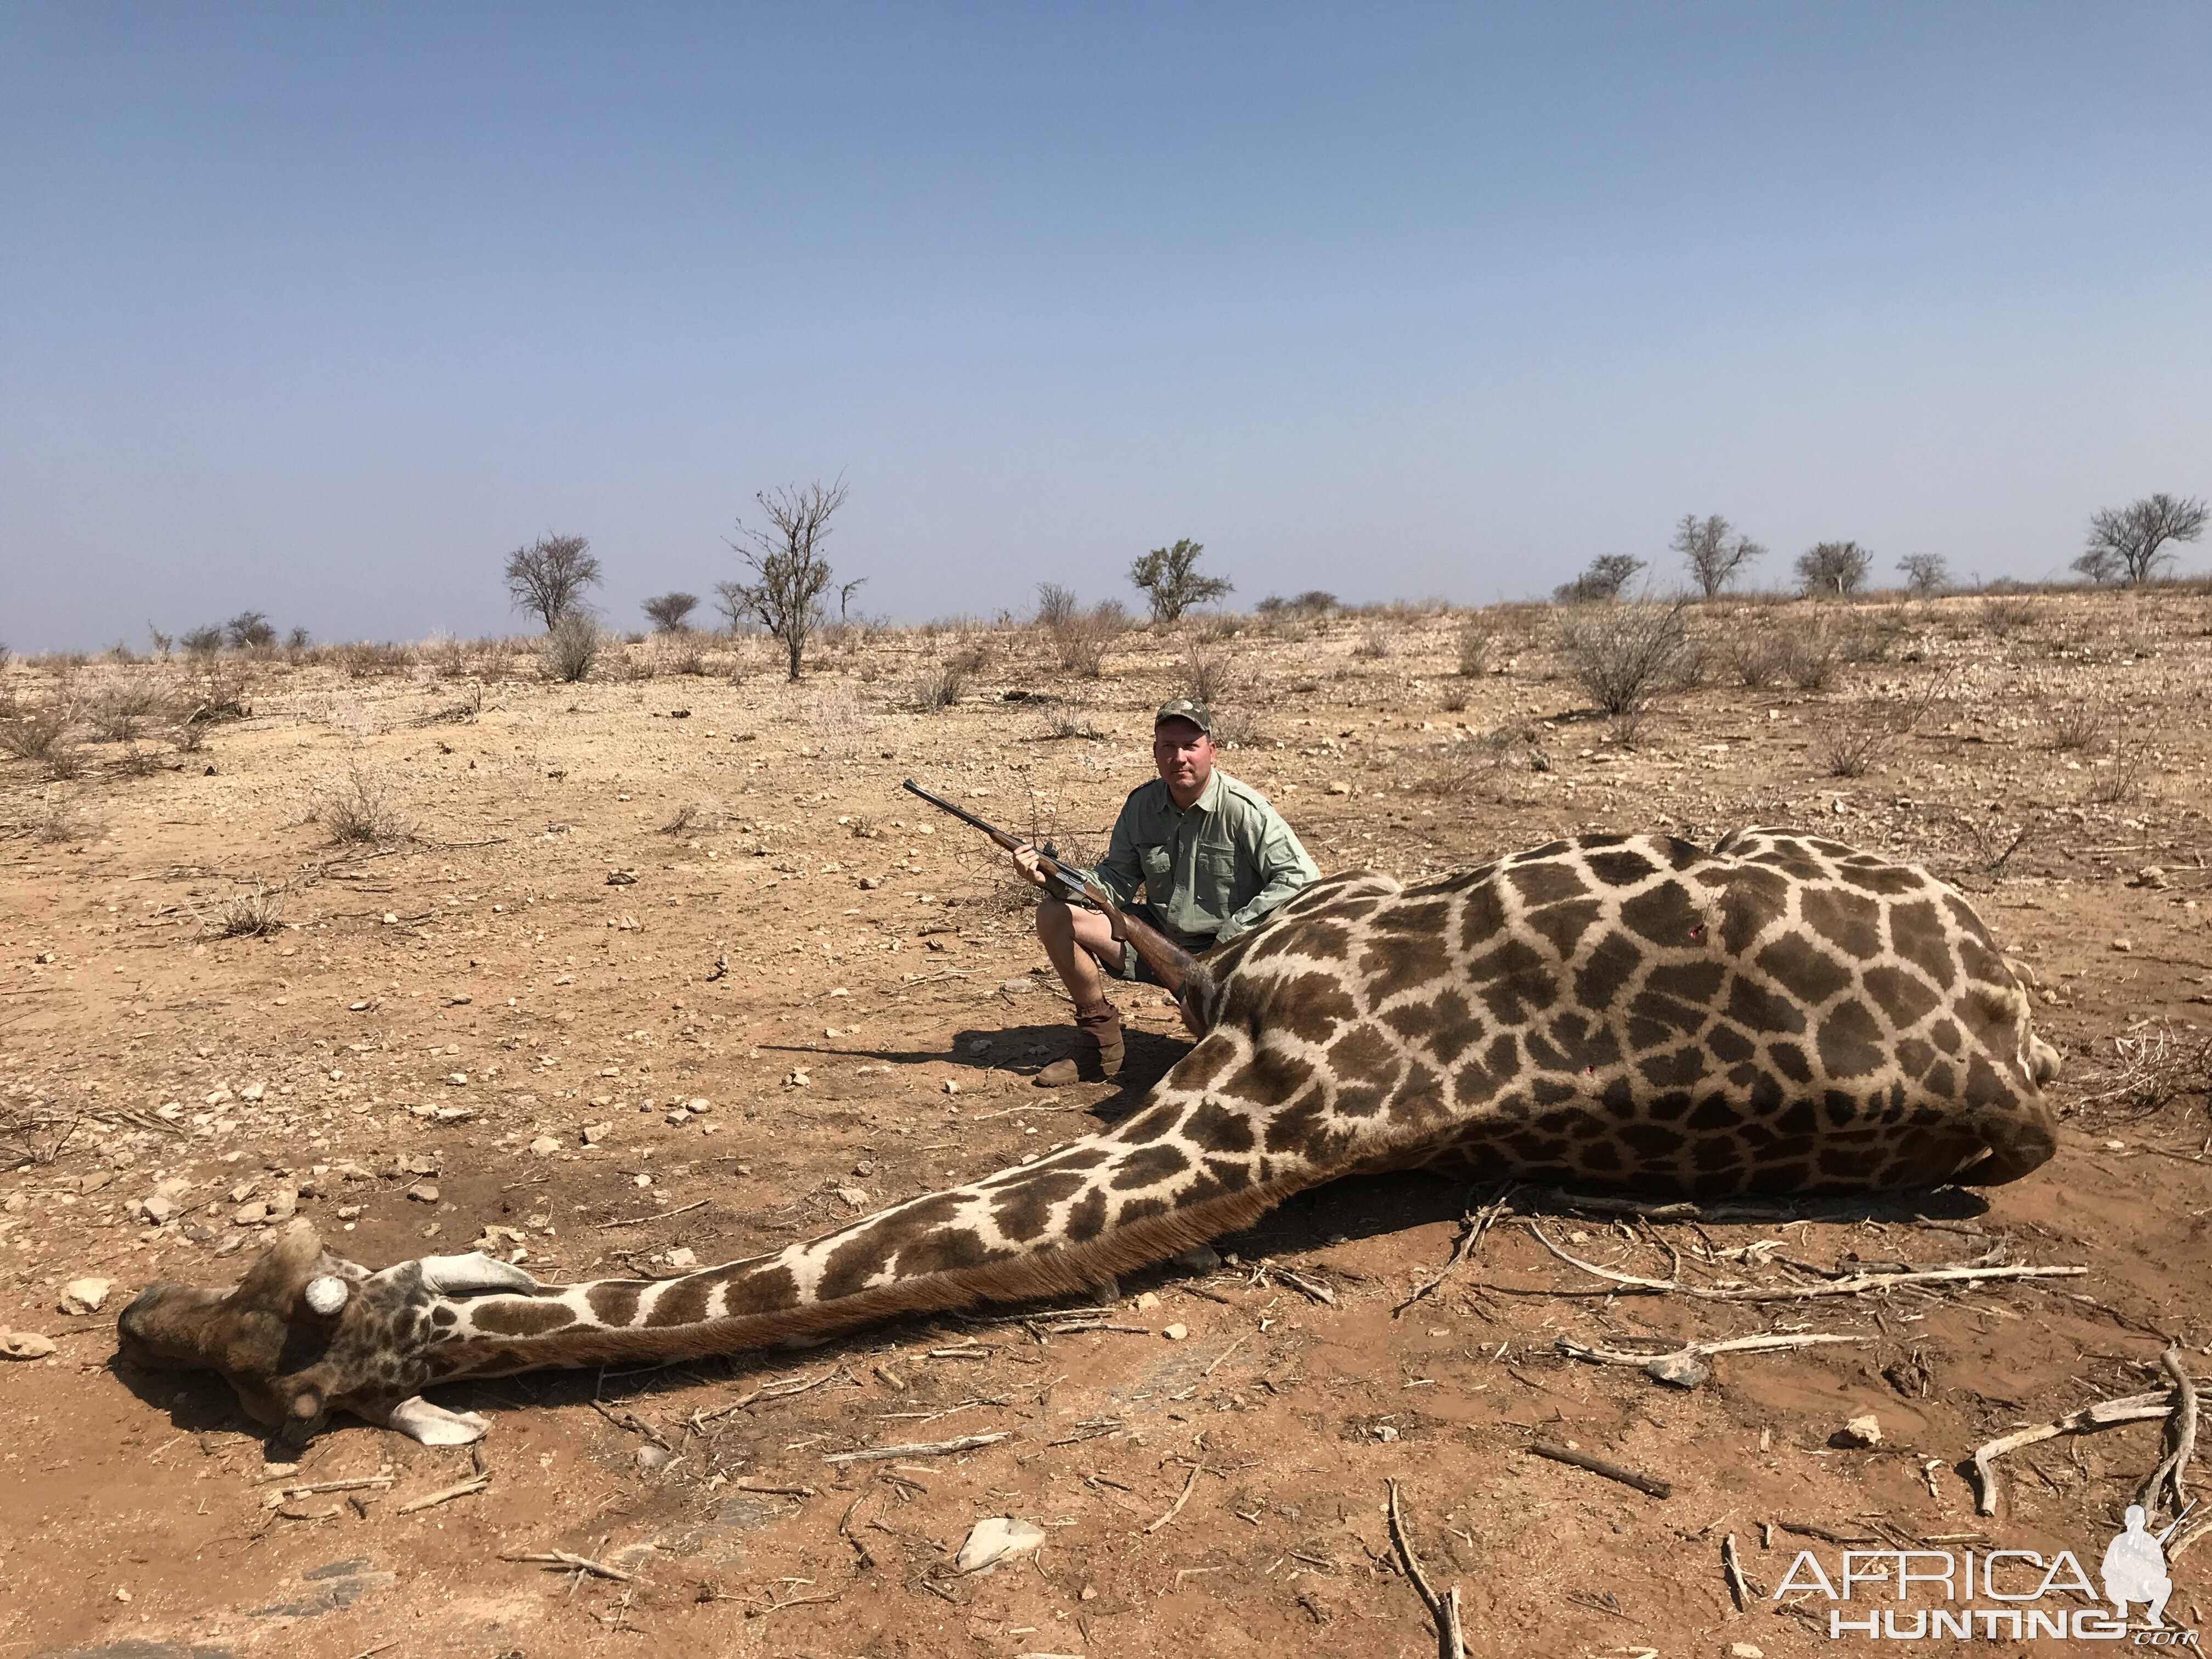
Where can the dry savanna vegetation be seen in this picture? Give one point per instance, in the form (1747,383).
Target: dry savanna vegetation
(618,956)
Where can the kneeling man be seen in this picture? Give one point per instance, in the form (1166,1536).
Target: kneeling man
(1212,857)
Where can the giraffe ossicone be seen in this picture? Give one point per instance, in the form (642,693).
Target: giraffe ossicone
(1779,1014)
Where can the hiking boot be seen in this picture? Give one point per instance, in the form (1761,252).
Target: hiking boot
(1098,1047)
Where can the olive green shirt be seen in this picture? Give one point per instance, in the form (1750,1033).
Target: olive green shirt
(1211,870)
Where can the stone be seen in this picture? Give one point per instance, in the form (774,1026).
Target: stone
(2123,946)
(683,1256)
(698,1105)
(244,1190)
(855,1196)
(157,1209)
(1679,1370)
(84,1296)
(545,1145)
(1858,1433)
(24,1345)
(1339,789)
(1385,1433)
(423,1192)
(651,1459)
(1746,1651)
(1017,987)
(1001,1538)
(255,1214)
(593,1134)
(1175,1332)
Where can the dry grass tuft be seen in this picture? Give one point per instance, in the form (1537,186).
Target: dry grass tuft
(360,812)
(254,914)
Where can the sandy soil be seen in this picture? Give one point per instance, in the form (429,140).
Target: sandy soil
(617,897)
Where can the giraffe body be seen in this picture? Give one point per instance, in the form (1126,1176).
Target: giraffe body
(1777,1014)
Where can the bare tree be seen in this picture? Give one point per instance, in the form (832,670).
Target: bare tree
(2126,543)
(249,630)
(548,578)
(1925,573)
(1170,580)
(1601,579)
(668,611)
(1056,605)
(1713,550)
(1833,567)
(789,572)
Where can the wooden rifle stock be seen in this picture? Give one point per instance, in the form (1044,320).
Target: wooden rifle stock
(1170,964)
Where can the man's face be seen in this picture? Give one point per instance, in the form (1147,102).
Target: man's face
(1184,755)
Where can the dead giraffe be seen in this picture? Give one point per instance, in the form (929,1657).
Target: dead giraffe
(1779,1014)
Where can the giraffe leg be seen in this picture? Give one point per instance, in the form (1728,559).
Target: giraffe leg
(433,1426)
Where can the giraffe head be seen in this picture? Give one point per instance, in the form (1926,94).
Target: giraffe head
(260,1335)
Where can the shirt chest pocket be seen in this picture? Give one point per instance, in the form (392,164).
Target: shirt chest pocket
(1217,869)
(1158,862)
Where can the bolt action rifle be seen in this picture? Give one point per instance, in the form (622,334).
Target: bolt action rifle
(1184,975)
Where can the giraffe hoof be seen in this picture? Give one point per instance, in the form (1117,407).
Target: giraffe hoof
(1058,1075)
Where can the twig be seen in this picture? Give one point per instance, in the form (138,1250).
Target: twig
(1732,1570)
(1224,1354)
(1305,1287)
(2103,1414)
(773,1492)
(2165,1481)
(632,1423)
(1181,1498)
(937,1449)
(1851,1287)
(1698,1349)
(285,1494)
(640,1220)
(1643,1483)
(570,1563)
(1478,1224)
(446,1495)
(1451,1644)
(782,1389)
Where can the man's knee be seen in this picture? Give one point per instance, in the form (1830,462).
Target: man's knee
(1054,919)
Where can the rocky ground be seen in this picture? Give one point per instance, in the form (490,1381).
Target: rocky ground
(662,969)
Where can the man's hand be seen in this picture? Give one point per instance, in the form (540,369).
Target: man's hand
(1025,860)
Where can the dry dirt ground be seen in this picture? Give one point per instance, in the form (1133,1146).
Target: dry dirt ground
(595,902)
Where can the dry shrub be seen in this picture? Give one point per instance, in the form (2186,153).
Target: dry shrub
(59,822)
(254,914)
(2119,782)
(1056,606)
(1465,760)
(119,711)
(1084,639)
(940,686)
(1455,701)
(1377,641)
(65,761)
(1070,719)
(2152,1066)
(32,734)
(1622,655)
(136,762)
(366,660)
(1211,627)
(217,690)
(1207,676)
(2006,614)
(2079,726)
(570,647)
(1474,640)
(360,812)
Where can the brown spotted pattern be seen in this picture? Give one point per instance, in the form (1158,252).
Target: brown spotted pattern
(1777,1014)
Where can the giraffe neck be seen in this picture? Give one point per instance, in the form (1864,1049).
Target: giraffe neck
(1059,1224)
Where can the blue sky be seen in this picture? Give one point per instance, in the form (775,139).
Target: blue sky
(319,310)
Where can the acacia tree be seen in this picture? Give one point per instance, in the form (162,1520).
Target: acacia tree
(1833,567)
(1170,583)
(1925,573)
(2126,543)
(548,578)
(1601,579)
(667,612)
(1713,550)
(789,573)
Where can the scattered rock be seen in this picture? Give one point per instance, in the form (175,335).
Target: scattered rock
(1148,1301)
(1339,789)
(423,1192)
(1746,1651)
(2123,946)
(1679,1370)
(255,1214)
(621,878)
(1858,1433)
(593,1133)
(683,1256)
(84,1296)
(653,1459)
(24,1345)
(950,1087)
(1017,987)
(158,1210)
(1385,1433)
(2151,876)
(1001,1538)
(796,1080)
(545,1145)
(855,1196)
(1175,1332)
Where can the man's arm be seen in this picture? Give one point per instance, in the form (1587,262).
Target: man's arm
(1284,866)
